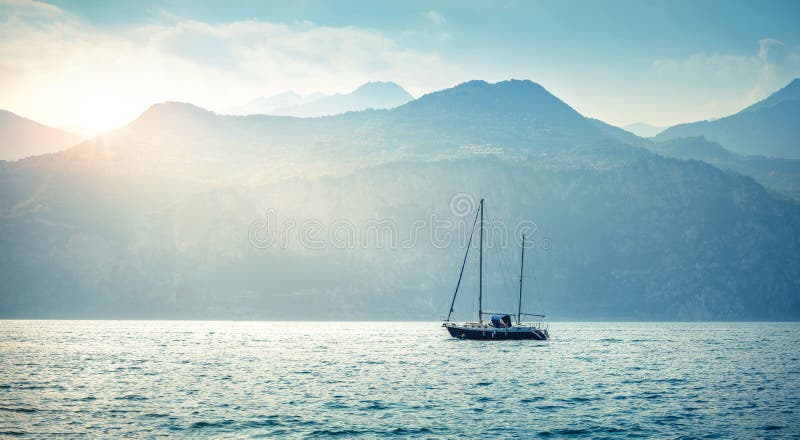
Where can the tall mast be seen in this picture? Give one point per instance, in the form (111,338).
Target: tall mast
(521,269)
(480,271)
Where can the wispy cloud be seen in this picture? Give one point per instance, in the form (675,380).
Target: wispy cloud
(29,6)
(755,75)
(770,52)
(435,17)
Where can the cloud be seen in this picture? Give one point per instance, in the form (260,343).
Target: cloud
(435,17)
(767,49)
(62,67)
(29,6)
(730,82)
(771,52)
(195,42)
(436,30)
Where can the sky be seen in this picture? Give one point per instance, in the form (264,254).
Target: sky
(93,65)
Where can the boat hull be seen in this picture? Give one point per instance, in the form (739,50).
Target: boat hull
(497,334)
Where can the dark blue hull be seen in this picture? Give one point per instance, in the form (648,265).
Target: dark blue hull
(496,334)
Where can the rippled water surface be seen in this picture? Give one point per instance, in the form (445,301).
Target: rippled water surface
(260,379)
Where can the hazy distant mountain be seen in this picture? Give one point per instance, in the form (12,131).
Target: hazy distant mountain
(371,95)
(155,220)
(644,130)
(782,175)
(21,137)
(375,95)
(267,104)
(769,128)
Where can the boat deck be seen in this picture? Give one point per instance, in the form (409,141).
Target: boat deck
(483,331)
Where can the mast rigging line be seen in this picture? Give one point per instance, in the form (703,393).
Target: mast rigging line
(463,264)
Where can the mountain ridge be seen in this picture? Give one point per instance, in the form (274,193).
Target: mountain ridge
(776,174)
(770,127)
(21,137)
(789,92)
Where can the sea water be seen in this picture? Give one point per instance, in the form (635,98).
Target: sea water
(368,379)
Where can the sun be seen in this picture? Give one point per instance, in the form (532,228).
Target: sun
(101,113)
(95,103)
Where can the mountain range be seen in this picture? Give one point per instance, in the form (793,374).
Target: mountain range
(156,219)
(371,95)
(21,137)
(770,127)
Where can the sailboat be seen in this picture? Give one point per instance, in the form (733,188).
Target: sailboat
(500,325)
